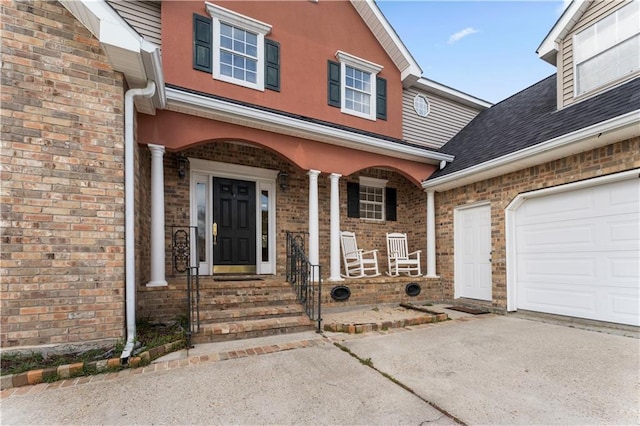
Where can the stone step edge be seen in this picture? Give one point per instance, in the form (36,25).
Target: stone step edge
(353,328)
(192,360)
(271,310)
(235,327)
(66,371)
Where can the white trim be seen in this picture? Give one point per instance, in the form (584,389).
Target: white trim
(348,60)
(607,132)
(452,94)
(369,181)
(431,236)
(265,179)
(510,225)
(549,47)
(359,63)
(417,109)
(251,117)
(234,18)
(377,23)
(129,53)
(221,15)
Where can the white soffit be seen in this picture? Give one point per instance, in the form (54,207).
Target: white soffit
(127,51)
(228,112)
(549,47)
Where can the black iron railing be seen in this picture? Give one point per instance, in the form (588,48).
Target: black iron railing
(181,262)
(305,278)
(193,302)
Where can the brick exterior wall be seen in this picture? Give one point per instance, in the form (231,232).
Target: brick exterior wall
(291,214)
(62,178)
(500,191)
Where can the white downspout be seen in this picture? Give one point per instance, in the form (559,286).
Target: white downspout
(129,216)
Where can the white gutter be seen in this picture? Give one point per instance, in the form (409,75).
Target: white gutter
(277,123)
(623,127)
(130,258)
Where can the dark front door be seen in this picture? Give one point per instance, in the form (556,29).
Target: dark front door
(234,217)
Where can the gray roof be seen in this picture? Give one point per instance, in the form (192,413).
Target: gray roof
(529,118)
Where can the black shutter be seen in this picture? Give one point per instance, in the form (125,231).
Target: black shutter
(353,199)
(272,65)
(381,98)
(333,84)
(391,204)
(202,34)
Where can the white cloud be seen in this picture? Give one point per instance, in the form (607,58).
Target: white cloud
(461,34)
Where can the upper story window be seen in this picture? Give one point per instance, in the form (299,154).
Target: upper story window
(355,87)
(233,48)
(607,50)
(238,54)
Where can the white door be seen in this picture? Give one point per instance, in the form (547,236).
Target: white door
(578,253)
(472,252)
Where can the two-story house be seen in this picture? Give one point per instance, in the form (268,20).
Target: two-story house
(124,123)
(145,137)
(539,211)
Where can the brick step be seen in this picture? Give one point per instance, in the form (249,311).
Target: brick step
(252,328)
(272,283)
(244,291)
(246,301)
(215,314)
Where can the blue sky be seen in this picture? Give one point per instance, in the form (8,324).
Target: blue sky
(484,48)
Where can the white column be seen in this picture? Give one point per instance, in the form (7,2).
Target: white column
(314,236)
(335,228)
(157,217)
(431,236)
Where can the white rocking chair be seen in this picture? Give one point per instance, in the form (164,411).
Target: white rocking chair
(357,262)
(400,260)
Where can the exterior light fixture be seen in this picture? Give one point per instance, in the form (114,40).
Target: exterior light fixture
(182,166)
(283,180)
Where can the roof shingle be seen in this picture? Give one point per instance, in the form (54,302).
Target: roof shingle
(529,118)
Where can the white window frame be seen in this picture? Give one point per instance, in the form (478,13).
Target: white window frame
(371,68)
(220,14)
(417,108)
(373,183)
(576,47)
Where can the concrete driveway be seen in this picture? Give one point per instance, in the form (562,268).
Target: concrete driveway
(507,370)
(306,386)
(478,370)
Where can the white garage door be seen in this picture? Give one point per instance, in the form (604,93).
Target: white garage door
(578,253)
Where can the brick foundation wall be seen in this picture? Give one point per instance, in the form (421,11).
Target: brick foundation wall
(62,262)
(500,191)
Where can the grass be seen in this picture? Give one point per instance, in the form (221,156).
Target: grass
(150,335)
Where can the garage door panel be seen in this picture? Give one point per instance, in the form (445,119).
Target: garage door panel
(557,269)
(624,307)
(604,269)
(554,299)
(578,253)
(601,233)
